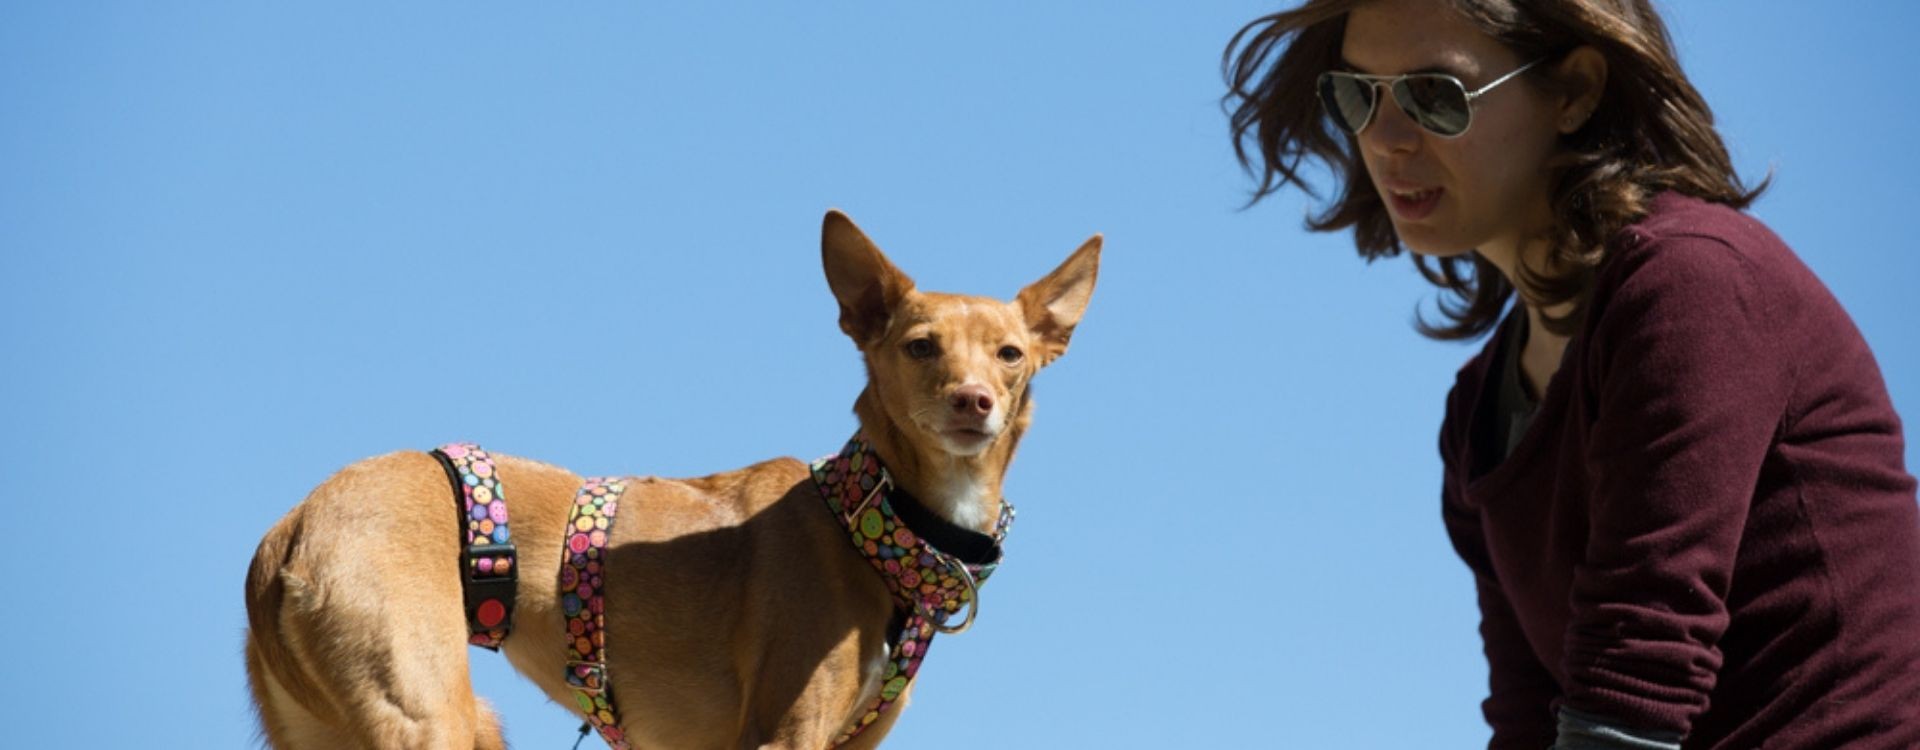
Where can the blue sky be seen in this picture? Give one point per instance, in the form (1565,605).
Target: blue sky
(245,244)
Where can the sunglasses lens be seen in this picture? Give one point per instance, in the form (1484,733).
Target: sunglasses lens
(1437,103)
(1348,99)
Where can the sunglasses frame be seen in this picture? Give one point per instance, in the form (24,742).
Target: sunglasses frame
(1393,84)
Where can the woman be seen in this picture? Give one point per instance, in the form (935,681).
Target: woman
(1673,467)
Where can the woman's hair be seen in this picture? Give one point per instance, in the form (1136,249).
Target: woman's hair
(1650,132)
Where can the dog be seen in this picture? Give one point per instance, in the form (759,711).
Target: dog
(763,607)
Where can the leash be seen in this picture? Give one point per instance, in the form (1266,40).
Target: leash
(928,584)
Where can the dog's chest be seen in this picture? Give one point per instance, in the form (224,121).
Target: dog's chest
(966,502)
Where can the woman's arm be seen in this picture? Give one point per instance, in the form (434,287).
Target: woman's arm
(1688,392)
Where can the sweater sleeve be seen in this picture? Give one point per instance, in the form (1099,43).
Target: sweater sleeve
(1519,705)
(1687,392)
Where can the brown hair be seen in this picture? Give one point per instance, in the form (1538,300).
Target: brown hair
(1650,132)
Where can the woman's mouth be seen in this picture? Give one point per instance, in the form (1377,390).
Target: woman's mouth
(1413,205)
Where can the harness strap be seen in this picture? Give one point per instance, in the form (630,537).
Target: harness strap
(488,577)
(928,584)
(583,564)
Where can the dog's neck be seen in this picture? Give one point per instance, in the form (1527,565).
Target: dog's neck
(963,490)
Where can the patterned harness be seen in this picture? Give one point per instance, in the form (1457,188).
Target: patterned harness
(488,576)
(929,586)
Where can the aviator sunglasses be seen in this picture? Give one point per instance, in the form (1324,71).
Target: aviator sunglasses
(1436,101)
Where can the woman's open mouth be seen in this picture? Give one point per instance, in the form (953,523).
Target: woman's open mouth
(1413,205)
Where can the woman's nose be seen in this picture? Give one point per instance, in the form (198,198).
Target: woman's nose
(1392,131)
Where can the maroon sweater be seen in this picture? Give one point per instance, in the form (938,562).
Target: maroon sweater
(1708,527)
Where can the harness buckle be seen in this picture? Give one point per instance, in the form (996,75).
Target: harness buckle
(490,595)
(588,677)
(502,551)
(880,486)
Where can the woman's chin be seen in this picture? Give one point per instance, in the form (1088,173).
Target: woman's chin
(1432,247)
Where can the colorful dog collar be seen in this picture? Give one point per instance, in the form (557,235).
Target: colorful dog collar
(928,584)
(488,577)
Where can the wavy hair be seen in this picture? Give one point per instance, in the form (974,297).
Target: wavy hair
(1651,132)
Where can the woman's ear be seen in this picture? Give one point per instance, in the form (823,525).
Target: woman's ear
(1583,77)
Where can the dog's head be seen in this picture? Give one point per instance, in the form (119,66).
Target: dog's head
(952,370)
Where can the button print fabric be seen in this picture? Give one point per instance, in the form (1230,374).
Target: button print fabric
(490,554)
(581,601)
(923,579)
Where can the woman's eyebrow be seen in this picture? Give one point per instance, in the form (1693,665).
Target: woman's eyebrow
(1347,66)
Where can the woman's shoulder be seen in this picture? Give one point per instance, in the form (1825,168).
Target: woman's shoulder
(1702,285)
(1671,215)
(1688,243)
(1688,256)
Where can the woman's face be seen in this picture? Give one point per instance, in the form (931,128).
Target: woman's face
(1486,189)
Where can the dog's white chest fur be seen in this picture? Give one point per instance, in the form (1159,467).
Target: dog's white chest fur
(964,501)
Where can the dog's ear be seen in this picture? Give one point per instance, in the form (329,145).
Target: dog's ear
(1053,305)
(863,281)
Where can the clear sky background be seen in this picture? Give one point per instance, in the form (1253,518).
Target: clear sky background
(245,244)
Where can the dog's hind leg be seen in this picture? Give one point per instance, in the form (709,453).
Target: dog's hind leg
(285,723)
(378,712)
(358,637)
(416,692)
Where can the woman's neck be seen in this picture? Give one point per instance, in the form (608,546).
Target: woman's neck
(1540,357)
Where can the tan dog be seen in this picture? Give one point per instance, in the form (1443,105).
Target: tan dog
(738,613)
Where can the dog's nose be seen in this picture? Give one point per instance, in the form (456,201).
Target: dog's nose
(973,400)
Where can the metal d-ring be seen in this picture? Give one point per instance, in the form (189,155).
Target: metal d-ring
(973,606)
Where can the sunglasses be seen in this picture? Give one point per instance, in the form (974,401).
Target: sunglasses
(1436,101)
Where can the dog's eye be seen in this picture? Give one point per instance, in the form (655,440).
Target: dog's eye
(921,348)
(1011,354)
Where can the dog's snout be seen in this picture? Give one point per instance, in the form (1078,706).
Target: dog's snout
(972,400)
